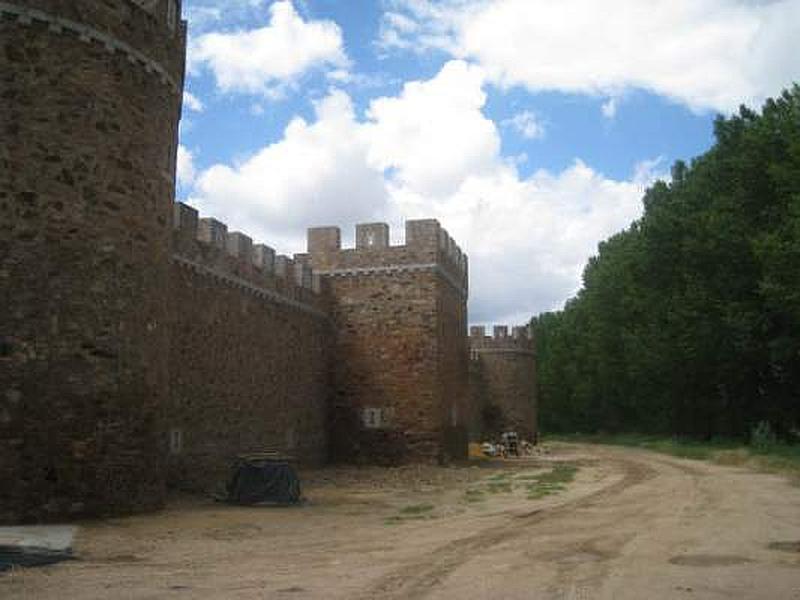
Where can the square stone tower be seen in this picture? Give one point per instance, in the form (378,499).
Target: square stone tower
(503,382)
(401,351)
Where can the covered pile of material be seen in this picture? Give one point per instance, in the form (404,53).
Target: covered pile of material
(35,546)
(263,479)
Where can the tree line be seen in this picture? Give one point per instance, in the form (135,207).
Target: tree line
(688,321)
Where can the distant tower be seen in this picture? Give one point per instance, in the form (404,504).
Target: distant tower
(503,382)
(91,98)
(401,356)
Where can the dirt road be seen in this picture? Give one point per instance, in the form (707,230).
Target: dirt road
(630,525)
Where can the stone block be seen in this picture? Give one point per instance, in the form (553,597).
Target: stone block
(239,245)
(302,275)
(213,232)
(283,265)
(185,218)
(324,239)
(263,257)
(423,233)
(477,331)
(372,235)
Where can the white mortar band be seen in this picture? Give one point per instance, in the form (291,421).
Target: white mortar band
(397,269)
(240,283)
(26,16)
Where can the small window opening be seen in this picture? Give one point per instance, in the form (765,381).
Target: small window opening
(175,441)
(371,417)
(172,15)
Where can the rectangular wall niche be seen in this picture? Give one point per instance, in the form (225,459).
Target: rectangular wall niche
(175,441)
(291,439)
(372,418)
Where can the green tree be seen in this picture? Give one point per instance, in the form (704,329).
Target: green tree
(688,322)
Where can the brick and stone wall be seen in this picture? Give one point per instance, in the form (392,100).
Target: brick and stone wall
(91,95)
(249,354)
(503,382)
(141,345)
(399,313)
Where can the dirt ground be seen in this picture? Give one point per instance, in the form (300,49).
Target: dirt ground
(630,525)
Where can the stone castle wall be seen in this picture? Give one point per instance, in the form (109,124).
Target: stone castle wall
(503,382)
(399,315)
(142,346)
(91,98)
(249,354)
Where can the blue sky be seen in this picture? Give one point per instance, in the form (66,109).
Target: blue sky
(528,128)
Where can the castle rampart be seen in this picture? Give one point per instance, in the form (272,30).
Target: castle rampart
(503,381)
(143,346)
(249,353)
(400,316)
(207,247)
(91,103)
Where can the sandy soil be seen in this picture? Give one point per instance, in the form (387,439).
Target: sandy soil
(632,525)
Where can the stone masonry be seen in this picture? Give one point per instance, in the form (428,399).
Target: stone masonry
(400,316)
(144,347)
(91,97)
(249,361)
(503,382)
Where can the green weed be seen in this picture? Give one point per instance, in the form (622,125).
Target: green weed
(416,509)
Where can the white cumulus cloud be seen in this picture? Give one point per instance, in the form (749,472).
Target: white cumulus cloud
(430,151)
(192,102)
(434,132)
(706,54)
(265,60)
(317,174)
(185,169)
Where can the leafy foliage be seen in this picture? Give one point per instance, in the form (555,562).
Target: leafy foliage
(688,322)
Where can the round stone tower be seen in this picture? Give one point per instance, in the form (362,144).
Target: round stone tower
(91,97)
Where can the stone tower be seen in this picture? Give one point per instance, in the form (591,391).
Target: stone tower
(400,354)
(91,98)
(503,382)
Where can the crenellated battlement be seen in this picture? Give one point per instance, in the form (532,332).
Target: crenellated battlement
(519,340)
(427,246)
(503,380)
(206,245)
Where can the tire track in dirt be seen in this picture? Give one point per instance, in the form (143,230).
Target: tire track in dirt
(418,578)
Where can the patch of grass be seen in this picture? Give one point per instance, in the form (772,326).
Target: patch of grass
(538,493)
(773,458)
(474,495)
(416,509)
(552,482)
(559,474)
(779,458)
(413,512)
(682,448)
(499,487)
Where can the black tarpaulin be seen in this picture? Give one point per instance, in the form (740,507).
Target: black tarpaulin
(30,557)
(260,480)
